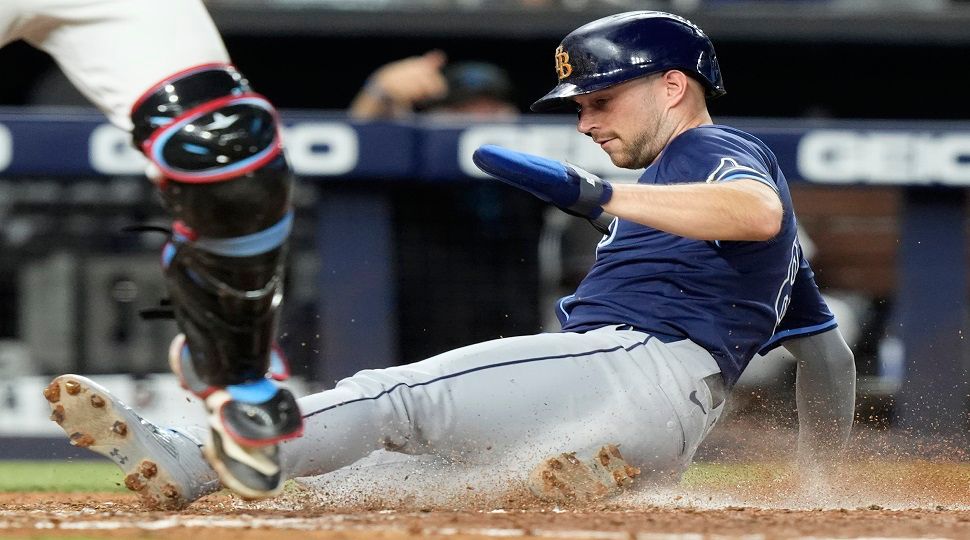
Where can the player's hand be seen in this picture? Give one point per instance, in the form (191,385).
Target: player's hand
(412,80)
(565,185)
(396,88)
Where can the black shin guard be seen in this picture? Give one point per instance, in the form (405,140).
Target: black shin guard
(226,297)
(226,180)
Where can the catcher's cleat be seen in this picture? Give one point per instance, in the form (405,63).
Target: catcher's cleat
(164,467)
(568,478)
(247,422)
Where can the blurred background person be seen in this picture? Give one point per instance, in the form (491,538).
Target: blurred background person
(462,246)
(428,83)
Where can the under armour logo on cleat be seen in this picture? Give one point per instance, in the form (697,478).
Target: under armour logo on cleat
(121,459)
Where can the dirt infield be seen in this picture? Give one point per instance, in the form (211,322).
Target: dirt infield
(900,500)
(222,517)
(744,487)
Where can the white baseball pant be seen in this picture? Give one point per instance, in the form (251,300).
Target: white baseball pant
(115,50)
(514,401)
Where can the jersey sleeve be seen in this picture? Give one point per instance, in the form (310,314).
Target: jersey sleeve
(713,156)
(807,312)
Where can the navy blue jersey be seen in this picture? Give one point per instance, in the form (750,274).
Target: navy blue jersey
(807,312)
(728,297)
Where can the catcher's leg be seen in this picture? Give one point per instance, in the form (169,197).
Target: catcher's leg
(222,173)
(216,148)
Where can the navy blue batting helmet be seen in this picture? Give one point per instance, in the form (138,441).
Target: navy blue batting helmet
(628,45)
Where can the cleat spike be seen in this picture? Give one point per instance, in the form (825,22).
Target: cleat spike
(81,440)
(134,482)
(170,491)
(148,469)
(53,392)
(72,387)
(57,414)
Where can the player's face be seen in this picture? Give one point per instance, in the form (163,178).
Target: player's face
(629,121)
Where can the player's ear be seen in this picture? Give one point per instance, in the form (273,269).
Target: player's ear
(675,85)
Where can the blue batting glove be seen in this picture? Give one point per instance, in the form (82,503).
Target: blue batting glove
(565,185)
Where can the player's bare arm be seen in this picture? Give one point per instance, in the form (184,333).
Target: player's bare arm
(739,210)
(742,209)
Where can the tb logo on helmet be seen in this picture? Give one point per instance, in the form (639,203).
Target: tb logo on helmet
(563,68)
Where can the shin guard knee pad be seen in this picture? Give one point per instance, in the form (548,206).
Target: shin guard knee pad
(217,147)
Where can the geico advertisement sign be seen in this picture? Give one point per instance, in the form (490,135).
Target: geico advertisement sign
(884,157)
(561,142)
(6,147)
(313,148)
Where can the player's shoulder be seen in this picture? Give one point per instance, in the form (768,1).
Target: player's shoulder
(723,137)
(698,151)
